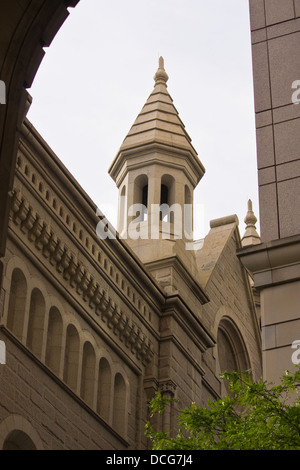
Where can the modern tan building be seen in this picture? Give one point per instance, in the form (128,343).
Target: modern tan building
(92,326)
(275,263)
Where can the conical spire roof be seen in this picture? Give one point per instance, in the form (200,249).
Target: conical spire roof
(159,120)
(159,123)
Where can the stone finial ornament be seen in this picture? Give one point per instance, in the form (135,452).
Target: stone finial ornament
(251,236)
(161,75)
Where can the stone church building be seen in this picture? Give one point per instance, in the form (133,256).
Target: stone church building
(93,320)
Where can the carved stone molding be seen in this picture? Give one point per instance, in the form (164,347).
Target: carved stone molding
(167,386)
(67,265)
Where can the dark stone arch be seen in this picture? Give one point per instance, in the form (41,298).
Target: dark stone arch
(232,350)
(18,440)
(25,29)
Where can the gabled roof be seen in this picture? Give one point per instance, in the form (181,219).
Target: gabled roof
(213,246)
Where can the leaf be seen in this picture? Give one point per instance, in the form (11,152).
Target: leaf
(253,416)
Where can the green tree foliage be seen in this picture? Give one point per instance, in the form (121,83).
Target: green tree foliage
(253,416)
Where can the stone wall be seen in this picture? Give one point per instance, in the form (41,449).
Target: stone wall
(61,420)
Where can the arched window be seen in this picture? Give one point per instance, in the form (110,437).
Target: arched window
(71,357)
(122,210)
(54,340)
(227,358)
(88,373)
(145,198)
(141,196)
(119,406)
(167,198)
(164,194)
(17,303)
(18,440)
(104,389)
(16,433)
(232,352)
(188,213)
(36,322)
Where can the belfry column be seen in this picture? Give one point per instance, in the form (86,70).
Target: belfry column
(157,165)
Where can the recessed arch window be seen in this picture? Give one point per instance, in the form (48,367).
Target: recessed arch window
(18,440)
(88,373)
(119,405)
(167,198)
(104,389)
(164,194)
(232,351)
(54,340)
(122,209)
(140,196)
(17,433)
(17,303)
(145,196)
(71,357)
(226,352)
(36,322)
(188,212)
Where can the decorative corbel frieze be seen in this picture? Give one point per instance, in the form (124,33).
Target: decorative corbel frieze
(73,271)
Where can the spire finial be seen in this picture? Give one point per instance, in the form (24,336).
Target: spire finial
(161,75)
(250,217)
(251,236)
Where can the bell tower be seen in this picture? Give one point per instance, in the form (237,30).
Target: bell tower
(156,171)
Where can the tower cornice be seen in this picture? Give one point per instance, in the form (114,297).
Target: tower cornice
(156,153)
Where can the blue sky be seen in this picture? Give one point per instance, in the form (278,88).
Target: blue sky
(98,73)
